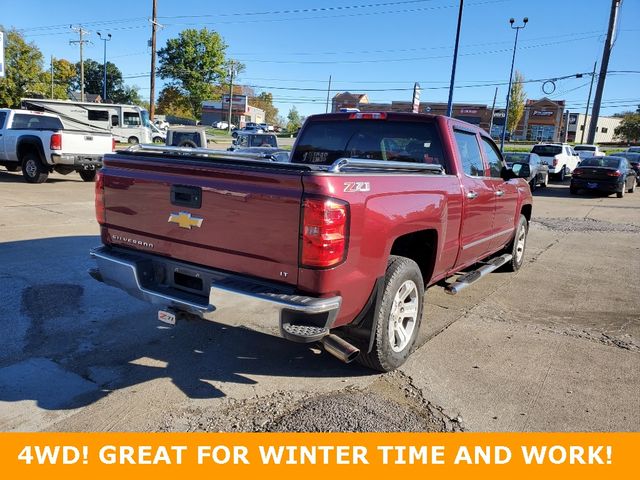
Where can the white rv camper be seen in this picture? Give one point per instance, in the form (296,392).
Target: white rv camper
(127,123)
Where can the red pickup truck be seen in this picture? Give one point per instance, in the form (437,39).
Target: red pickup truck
(336,246)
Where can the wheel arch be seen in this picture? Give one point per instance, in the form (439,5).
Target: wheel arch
(30,143)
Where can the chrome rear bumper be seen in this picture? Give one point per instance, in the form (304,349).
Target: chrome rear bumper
(153,279)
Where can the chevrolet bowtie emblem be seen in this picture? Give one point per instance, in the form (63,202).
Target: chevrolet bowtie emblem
(185,220)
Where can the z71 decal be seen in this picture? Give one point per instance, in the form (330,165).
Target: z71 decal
(351,187)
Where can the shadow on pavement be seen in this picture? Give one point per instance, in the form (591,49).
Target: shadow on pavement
(16,177)
(75,340)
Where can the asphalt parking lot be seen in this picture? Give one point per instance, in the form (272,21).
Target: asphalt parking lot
(555,347)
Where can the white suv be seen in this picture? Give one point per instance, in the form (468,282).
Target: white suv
(560,158)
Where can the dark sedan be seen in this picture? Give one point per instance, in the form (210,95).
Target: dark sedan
(604,174)
(634,160)
(539,168)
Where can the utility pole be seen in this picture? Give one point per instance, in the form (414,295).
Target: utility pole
(232,72)
(586,112)
(106,39)
(81,32)
(152,92)
(604,65)
(455,61)
(51,77)
(493,110)
(326,107)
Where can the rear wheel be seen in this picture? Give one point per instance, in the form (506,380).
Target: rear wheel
(633,187)
(620,194)
(563,174)
(573,190)
(87,175)
(398,318)
(133,140)
(33,170)
(545,181)
(158,140)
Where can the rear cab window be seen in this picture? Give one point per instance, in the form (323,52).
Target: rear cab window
(546,150)
(325,141)
(25,121)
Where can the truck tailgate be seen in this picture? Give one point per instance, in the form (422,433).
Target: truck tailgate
(86,143)
(246,220)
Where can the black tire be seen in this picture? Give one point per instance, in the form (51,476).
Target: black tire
(620,194)
(573,190)
(158,140)
(33,170)
(519,242)
(88,175)
(546,180)
(633,187)
(532,184)
(382,357)
(563,174)
(133,140)
(12,168)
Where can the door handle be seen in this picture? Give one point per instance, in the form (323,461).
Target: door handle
(499,193)
(472,195)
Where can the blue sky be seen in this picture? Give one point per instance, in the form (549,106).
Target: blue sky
(379,47)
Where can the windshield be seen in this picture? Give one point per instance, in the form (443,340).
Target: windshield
(324,142)
(584,148)
(516,157)
(547,150)
(607,162)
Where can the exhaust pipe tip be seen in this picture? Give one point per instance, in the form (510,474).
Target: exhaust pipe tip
(340,348)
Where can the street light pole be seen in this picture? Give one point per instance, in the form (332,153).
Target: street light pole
(105,39)
(513,60)
(232,72)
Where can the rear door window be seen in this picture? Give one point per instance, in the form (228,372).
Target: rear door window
(324,142)
(3,116)
(469,151)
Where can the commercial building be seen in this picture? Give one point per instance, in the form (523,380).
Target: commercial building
(605,130)
(241,112)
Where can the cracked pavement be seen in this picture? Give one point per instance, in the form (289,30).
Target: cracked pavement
(555,347)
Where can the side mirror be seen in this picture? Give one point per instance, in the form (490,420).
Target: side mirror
(521,170)
(544,162)
(507,174)
(234,142)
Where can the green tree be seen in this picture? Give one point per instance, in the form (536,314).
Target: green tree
(23,70)
(193,63)
(64,74)
(264,101)
(117,91)
(629,128)
(294,120)
(172,102)
(516,102)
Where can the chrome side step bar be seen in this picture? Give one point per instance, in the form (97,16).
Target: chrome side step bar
(467,279)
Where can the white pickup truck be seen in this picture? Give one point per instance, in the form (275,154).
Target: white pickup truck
(38,143)
(587,151)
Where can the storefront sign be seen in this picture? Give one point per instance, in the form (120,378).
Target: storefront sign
(542,113)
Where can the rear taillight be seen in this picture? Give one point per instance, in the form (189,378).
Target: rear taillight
(555,162)
(99,198)
(56,142)
(616,173)
(324,232)
(368,116)
(113,144)
(577,172)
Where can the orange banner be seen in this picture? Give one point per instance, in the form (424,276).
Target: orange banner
(289,455)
